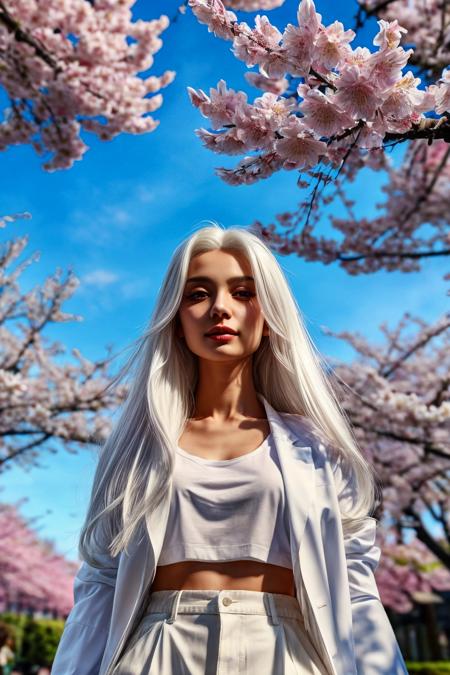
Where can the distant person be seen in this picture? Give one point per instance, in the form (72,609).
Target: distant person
(7,656)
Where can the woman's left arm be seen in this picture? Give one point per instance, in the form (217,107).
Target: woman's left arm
(82,644)
(376,647)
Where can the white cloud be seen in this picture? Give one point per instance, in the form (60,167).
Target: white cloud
(99,278)
(103,290)
(145,195)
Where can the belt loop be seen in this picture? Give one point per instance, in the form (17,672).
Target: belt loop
(173,614)
(273,611)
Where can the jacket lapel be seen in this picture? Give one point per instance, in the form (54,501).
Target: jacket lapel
(298,471)
(297,468)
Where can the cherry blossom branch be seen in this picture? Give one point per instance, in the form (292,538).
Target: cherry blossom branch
(39,398)
(424,536)
(427,334)
(422,183)
(15,28)
(429,129)
(61,69)
(17,452)
(395,256)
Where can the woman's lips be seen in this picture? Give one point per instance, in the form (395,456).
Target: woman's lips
(222,337)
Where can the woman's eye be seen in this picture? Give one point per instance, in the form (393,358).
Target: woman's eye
(248,293)
(192,296)
(196,294)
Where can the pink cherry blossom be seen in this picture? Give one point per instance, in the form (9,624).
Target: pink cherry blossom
(321,114)
(307,16)
(404,97)
(215,16)
(221,106)
(331,47)
(298,45)
(358,57)
(357,93)
(255,127)
(405,571)
(252,46)
(276,109)
(298,41)
(299,148)
(416,192)
(403,425)
(390,34)
(372,134)
(385,67)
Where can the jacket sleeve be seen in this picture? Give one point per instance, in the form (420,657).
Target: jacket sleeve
(376,648)
(80,649)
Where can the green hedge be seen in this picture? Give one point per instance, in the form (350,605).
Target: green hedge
(36,640)
(429,667)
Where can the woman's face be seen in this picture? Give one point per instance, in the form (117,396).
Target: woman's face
(221,297)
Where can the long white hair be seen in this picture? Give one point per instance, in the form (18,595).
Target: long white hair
(136,461)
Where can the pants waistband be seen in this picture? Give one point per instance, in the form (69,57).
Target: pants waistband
(235,601)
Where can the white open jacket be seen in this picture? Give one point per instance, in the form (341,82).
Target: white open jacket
(334,573)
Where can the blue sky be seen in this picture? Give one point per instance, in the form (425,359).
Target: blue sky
(117,215)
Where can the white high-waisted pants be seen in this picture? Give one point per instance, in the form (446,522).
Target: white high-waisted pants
(227,632)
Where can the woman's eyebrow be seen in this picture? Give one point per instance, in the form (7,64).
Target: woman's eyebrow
(202,278)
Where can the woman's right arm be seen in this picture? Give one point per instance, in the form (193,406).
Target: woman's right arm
(80,650)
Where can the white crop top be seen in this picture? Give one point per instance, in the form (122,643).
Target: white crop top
(231,509)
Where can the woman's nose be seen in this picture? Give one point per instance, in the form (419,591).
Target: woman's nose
(219,307)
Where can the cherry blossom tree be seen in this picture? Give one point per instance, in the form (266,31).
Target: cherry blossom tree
(329,111)
(32,575)
(72,66)
(42,400)
(397,397)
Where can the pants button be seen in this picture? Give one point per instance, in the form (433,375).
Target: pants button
(226,601)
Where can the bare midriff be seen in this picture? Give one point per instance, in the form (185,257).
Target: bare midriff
(249,575)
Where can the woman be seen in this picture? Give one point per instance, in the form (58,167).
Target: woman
(229,526)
